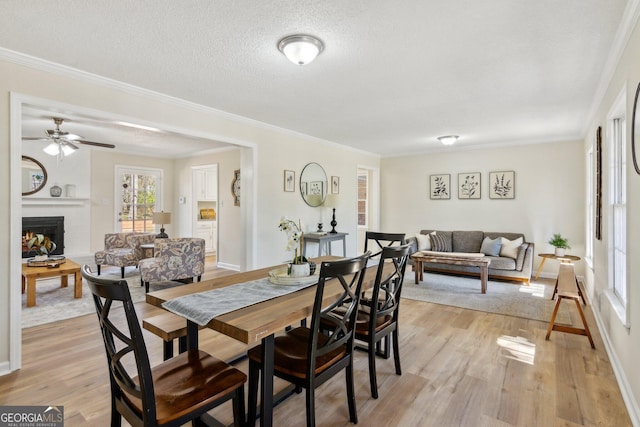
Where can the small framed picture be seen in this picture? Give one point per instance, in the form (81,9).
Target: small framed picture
(335,185)
(289,180)
(303,188)
(469,185)
(502,185)
(440,187)
(315,188)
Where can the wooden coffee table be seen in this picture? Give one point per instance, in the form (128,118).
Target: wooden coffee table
(481,262)
(30,274)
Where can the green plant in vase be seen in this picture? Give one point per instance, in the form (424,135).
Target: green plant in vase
(560,243)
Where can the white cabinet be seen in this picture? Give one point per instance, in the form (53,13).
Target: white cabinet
(207,230)
(205,184)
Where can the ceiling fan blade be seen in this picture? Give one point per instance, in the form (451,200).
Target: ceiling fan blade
(66,142)
(34,138)
(97,144)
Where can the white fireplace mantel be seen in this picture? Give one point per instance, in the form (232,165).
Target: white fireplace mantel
(53,201)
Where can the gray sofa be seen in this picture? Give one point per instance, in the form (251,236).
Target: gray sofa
(518,268)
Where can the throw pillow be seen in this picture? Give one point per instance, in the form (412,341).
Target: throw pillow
(424,244)
(491,247)
(510,247)
(439,243)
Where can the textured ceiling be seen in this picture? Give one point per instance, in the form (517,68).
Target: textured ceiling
(393,75)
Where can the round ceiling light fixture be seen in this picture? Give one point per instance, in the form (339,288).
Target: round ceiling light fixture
(448,139)
(300,49)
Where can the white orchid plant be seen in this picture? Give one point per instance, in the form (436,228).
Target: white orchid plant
(295,238)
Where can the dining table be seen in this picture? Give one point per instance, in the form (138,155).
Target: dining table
(258,322)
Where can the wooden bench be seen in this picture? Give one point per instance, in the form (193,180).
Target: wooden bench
(168,326)
(567,288)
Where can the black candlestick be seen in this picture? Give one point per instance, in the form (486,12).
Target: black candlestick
(333,222)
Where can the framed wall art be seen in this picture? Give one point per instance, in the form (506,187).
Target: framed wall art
(335,185)
(289,181)
(469,185)
(598,198)
(502,185)
(440,187)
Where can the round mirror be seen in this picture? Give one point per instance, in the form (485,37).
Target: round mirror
(313,184)
(34,176)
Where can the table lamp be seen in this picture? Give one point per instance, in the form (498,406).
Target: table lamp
(162,218)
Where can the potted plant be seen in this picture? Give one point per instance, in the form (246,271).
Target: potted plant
(560,243)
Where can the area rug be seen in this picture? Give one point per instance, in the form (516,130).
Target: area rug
(54,303)
(508,298)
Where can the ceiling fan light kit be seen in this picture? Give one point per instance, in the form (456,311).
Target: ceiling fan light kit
(60,142)
(301,49)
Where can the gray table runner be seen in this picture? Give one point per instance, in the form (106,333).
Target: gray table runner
(202,307)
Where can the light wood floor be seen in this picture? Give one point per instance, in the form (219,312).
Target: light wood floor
(460,368)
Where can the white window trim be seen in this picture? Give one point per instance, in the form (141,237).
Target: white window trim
(617,111)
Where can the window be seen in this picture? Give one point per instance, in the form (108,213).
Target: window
(363,198)
(591,210)
(617,292)
(619,210)
(138,191)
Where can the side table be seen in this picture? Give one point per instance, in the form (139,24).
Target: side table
(324,240)
(553,256)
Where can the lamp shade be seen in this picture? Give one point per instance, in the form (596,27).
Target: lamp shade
(162,218)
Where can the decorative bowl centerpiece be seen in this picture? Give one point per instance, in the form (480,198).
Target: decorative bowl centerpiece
(281,276)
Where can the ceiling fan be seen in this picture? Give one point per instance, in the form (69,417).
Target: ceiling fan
(64,143)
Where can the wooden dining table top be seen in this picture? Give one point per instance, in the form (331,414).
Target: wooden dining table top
(250,324)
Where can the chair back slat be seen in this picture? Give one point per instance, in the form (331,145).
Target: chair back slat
(350,274)
(388,287)
(379,241)
(132,378)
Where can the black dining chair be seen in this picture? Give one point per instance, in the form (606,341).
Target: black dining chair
(176,391)
(306,357)
(379,240)
(378,321)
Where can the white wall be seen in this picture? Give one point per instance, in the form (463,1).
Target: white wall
(549,194)
(623,342)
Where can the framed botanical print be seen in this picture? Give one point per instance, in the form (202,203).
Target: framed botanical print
(289,180)
(469,185)
(440,187)
(502,185)
(315,188)
(335,185)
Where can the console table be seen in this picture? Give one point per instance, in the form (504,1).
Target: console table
(324,240)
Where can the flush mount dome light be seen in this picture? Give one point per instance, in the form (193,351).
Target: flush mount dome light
(448,139)
(300,49)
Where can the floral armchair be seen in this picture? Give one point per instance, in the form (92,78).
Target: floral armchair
(123,249)
(175,259)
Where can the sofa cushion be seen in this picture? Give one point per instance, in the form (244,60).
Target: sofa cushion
(423,241)
(502,263)
(510,247)
(440,242)
(491,247)
(466,241)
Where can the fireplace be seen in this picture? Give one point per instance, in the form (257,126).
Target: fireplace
(50,226)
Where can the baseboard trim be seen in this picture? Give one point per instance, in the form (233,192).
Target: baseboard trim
(625,388)
(228,266)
